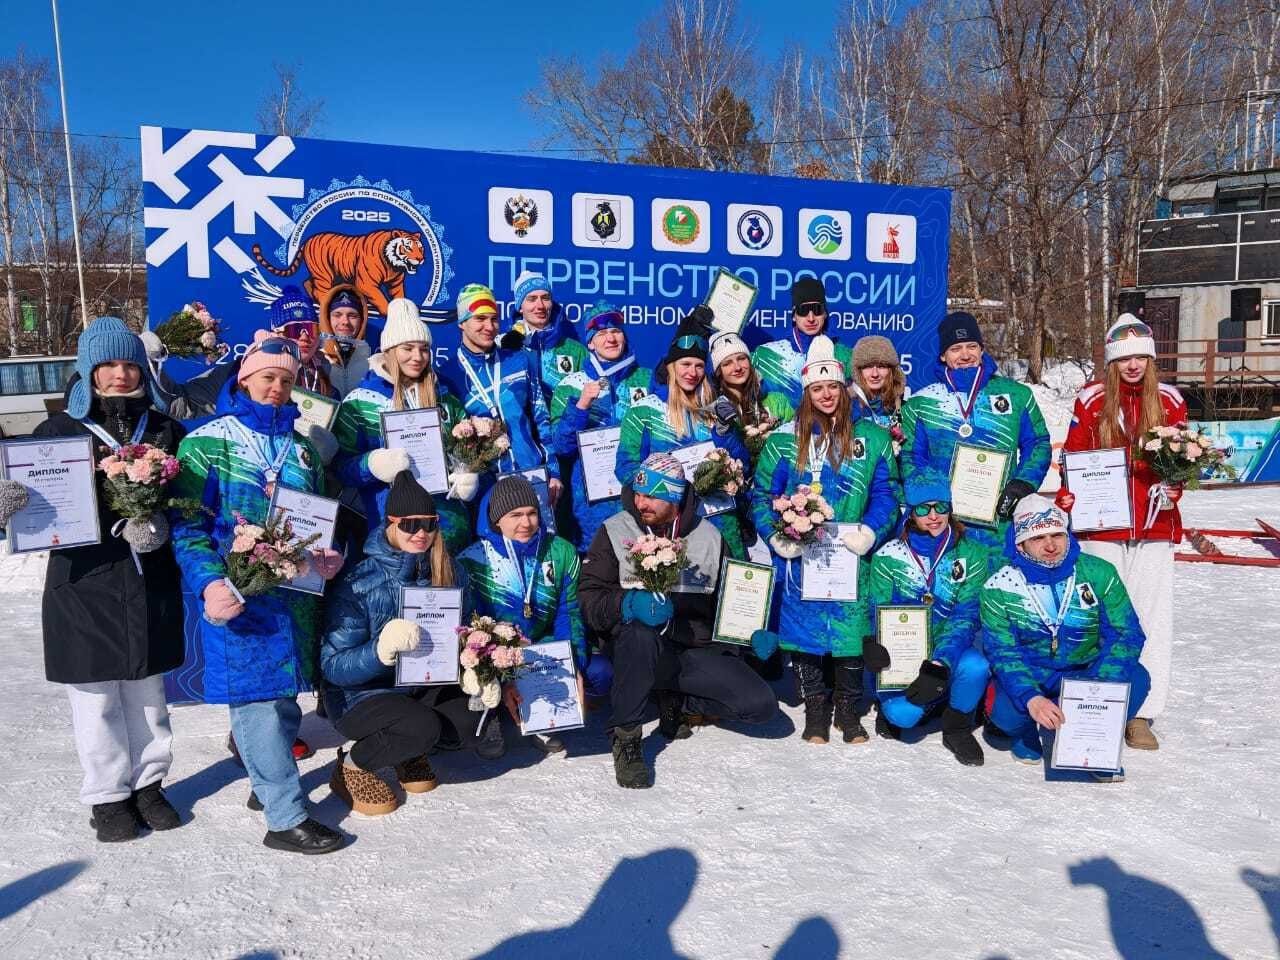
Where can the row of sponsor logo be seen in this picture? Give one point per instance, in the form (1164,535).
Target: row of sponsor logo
(527,216)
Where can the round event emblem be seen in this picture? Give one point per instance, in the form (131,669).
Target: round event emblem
(966,430)
(902,617)
(748,575)
(680,224)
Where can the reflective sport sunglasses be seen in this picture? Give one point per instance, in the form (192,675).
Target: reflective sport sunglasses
(411,525)
(938,507)
(810,309)
(295,329)
(274,346)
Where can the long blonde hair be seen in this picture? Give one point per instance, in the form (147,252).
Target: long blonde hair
(683,408)
(1111,428)
(838,426)
(891,396)
(427,395)
(438,559)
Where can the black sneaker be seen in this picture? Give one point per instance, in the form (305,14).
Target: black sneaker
(491,745)
(114,821)
(628,759)
(156,811)
(817,719)
(308,837)
(957,736)
(672,722)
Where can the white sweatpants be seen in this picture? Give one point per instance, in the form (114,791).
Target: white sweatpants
(1146,569)
(122,736)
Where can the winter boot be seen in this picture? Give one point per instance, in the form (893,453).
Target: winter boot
(416,775)
(362,790)
(886,729)
(253,803)
(308,837)
(811,684)
(628,759)
(547,743)
(817,719)
(848,692)
(154,809)
(1027,748)
(491,745)
(1138,735)
(114,821)
(957,736)
(672,722)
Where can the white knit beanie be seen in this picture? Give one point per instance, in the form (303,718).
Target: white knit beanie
(403,325)
(820,363)
(725,345)
(1036,515)
(1129,337)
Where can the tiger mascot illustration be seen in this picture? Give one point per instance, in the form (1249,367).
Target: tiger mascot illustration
(374,263)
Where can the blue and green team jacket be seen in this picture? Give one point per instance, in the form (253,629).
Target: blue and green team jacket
(268,651)
(645,430)
(626,387)
(521,404)
(497,586)
(1100,638)
(861,491)
(358,430)
(780,362)
(954,616)
(1005,417)
(554,352)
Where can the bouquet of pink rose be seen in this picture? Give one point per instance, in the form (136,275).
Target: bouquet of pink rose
(492,651)
(719,473)
(1182,455)
(799,521)
(475,442)
(263,557)
(657,561)
(137,476)
(754,435)
(192,332)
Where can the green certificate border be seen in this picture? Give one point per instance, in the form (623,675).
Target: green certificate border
(928,636)
(724,568)
(994,521)
(755,295)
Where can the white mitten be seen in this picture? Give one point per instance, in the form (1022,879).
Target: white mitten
(786,549)
(326,443)
(860,539)
(13,497)
(385,464)
(463,485)
(397,637)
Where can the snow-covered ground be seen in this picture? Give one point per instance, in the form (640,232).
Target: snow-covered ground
(751,844)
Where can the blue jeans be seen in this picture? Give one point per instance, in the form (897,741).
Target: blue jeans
(1014,719)
(264,733)
(968,683)
(597,676)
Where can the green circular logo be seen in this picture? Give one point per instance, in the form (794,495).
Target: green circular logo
(749,575)
(902,618)
(680,224)
(982,458)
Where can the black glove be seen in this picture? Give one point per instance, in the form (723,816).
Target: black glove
(930,685)
(705,316)
(724,410)
(1013,491)
(874,655)
(513,339)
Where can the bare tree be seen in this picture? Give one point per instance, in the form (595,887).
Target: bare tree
(285,110)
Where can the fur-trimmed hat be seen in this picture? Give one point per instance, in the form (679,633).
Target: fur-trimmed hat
(874,351)
(821,364)
(1129,337)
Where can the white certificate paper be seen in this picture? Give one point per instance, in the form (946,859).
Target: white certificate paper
(418,433)
(599,451)
(538,477)
(548,687)
(731,300)
(977,479)
(62,499)
(1092,734)
(310,514)
(690,457)
(1099,480)
(313,408)
(746,591)
(904,632)
(829,569)
(438,612)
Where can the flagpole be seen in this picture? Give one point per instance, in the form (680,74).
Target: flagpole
(71,178)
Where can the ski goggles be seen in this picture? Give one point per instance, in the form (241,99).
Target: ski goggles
(412,525)
(940,507)
(810,310)
(297,329)
(274,346)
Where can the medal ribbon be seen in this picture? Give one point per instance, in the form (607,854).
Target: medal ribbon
(490,396)
(527,583)
(933,567)
(966,410)
(603,372)
(1065,604)
(105,436)
(270,469)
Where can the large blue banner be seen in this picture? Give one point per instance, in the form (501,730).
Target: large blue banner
(232,217)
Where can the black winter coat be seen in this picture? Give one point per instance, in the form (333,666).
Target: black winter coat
(101,620)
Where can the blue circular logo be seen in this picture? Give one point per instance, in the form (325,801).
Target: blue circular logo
(825,234)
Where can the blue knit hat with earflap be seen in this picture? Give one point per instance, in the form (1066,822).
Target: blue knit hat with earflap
(107,340)
(927,486)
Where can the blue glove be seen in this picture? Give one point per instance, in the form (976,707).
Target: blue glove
(764,643)
(643,606)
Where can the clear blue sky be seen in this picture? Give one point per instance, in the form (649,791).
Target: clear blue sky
(437,73)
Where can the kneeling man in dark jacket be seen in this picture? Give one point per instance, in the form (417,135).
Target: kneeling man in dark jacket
(663,643)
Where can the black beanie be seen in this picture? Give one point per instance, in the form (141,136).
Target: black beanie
(510,493)
(690,342)
(958,327)
(408,499)
(808,290)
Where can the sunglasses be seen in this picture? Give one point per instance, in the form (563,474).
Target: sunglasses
(938,507)
(810,309)
(274,346)
(411,525)
(296,329)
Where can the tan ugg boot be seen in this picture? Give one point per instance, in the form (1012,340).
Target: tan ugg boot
(416,775)
(363,791)
(1138,735)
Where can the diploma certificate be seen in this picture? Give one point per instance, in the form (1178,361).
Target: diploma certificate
(548,687)
(599,451)
(62,500)
(977,479)
(417,432)
(538,477)
(309,514)
(904,632)
(731,300)
(746,592)
(829,569)
(438,612)
(313,408)
(1099,480)
(689,458)
(1092,734)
